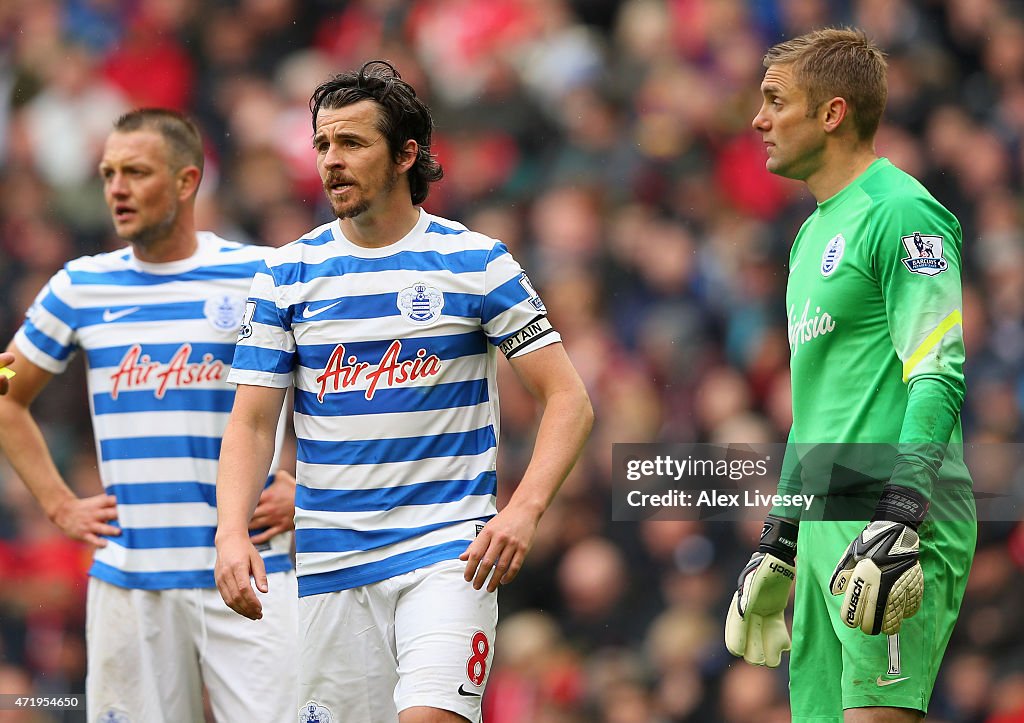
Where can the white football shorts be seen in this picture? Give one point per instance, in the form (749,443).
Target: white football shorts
(424,638)
(151,651)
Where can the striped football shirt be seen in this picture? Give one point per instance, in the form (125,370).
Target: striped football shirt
(158,341)
(393,354)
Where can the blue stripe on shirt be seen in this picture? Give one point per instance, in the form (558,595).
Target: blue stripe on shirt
(387,401)
(46,343)
(129,277)
(266,313)
(399,449)
(158,493)
(260,359)
(53,304)
(155,538)
(175,579)
(318,539)
(168,311)
(435,227)
(145,400)
(457,262)
(156,447)
(388,498)
(503,298)
(326,236)
(378,306)
(449,346)
(372,572)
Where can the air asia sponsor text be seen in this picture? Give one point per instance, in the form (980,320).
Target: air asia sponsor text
(389,371)
(139,370)
(803,330)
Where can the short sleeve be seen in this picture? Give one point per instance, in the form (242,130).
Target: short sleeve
(48,336)
(265,351)
(512,313)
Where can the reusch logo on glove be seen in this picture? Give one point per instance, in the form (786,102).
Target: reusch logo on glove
(851,611)
(781,569)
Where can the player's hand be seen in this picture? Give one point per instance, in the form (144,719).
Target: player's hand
(6,359)
(755,626)
(275,511)
(86,518)
(500,549)
(237,562)
(879,575)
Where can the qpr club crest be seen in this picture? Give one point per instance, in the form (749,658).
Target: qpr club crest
(113,715)
(833,253)
(313,712)
(925,254)
(224,312)
(420,304)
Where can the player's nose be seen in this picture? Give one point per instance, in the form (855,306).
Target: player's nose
(117,186)
(334,158)
(760,121)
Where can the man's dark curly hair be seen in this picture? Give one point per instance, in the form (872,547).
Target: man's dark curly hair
(403,115)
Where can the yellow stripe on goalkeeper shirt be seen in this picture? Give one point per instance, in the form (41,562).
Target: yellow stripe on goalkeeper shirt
(7,372)
(954,319)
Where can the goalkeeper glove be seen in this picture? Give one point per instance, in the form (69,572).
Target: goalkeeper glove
(754,627)
(879,576)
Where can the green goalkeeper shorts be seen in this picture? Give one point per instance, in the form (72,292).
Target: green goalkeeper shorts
(833,667)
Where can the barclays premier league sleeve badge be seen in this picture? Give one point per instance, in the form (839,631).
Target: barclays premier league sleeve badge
(925,254)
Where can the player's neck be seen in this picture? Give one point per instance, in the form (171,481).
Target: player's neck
(378,228)
(841,167)
(181,243)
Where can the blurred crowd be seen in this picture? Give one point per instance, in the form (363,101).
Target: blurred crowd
(608,143)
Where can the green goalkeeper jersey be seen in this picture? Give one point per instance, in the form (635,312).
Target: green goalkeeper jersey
(876,338)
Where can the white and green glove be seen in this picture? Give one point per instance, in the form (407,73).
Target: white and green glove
(879,576)
(755,628)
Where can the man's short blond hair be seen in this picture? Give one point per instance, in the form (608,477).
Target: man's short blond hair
(837,62)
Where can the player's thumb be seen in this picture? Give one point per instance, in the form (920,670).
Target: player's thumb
(259,572)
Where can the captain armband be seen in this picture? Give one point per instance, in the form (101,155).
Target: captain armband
(524,340)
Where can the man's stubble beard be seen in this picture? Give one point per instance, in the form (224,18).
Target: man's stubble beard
(363,206)
(147,236)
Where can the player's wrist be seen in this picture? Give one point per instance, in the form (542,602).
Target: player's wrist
(230,533)
(901,504)
(778,538)
(55,505)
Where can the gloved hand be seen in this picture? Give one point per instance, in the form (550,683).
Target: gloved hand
(755,628)
(879,576)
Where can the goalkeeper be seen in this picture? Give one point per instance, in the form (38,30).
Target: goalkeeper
(876,343)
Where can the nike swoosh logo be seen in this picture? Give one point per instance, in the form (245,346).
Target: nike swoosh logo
(109,315)
(309,313)
(463,691)
(882,683)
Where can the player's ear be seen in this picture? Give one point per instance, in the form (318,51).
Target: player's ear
(187,182)
(832,113)
(406,156)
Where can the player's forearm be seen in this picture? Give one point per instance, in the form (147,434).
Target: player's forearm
(23,444)
(932,412)
(564,428)
(247,451)
(790,482)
